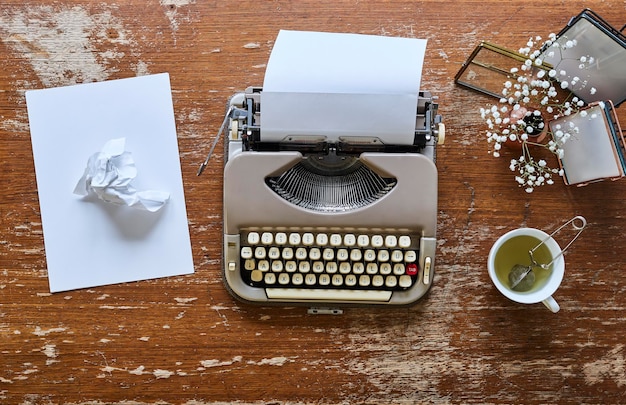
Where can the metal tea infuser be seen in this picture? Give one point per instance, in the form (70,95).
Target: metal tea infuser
(522,278)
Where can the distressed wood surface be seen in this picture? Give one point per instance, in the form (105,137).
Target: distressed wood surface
(184,340)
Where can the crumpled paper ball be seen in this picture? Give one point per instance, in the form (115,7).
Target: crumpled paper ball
(109,174)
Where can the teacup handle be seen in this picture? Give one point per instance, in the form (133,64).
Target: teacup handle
(551,304)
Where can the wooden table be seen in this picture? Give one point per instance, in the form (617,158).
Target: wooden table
(186,340)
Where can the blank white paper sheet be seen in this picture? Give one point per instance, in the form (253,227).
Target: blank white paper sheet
(90,242)
(336,84)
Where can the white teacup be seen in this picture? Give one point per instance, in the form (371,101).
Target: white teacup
(512,248)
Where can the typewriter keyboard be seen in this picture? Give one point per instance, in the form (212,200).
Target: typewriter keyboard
(335,265)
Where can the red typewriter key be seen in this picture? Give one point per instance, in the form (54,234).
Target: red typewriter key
(411,269)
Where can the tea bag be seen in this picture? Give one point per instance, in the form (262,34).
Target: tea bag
(521,278)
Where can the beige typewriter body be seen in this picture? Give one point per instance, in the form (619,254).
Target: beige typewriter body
(256,218)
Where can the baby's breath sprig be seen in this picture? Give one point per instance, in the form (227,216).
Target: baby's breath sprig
(533,95)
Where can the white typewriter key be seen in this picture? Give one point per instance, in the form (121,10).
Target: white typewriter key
(287,253)
(246,252)
(349,239)
(277,266)
(397,256)
(308,239)
(315,254)
(398,269)
(391,281)
(318,267)
(405,281)
(358,268)
(369,255)
(378,281)
(291,266)
(294,239)
(364,280)
(280,238)
(335,239)
(270,278)
(297,279)
(355,255)
(253,238)
(256,275)
(260,252)
(404,241)
(328,254)
(385,268)
(331,267)
(274,253)
(264,265)
(372,268)
(283,278)
(391,241)
(410,256)
(350,280)
(310,279)
(342,255)
(267,238)
(322,239)
(304,267)
(345,268)
(337,280)
(249,264)
(377,241)
(363,240)
(324,279)
(301,254)
(383,255)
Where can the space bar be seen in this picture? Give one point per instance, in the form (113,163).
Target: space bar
(327,294)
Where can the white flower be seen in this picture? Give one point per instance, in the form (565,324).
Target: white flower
(592,90)
(526,95)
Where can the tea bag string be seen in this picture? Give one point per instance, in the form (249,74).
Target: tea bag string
(578,222)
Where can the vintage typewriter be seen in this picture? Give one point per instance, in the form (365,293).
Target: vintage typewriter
(328,222)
